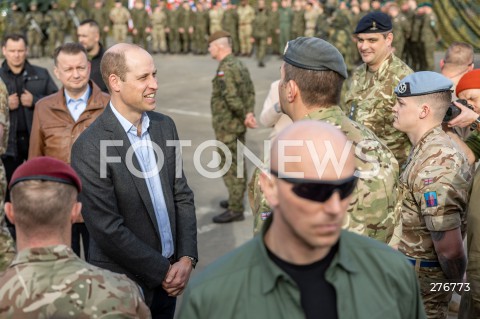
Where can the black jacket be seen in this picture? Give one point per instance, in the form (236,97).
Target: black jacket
(95,73)
(37,81)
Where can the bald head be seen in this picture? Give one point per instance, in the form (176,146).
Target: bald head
(313,150)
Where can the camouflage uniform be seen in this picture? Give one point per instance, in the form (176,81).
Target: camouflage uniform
(15,21)
(185,24)
(298,24)
(215,17)
(428,39)
(470,304)
(140,21)
(56,23)
(119,18)
(7,246)
(323,26)
(173,36)
(75,15)
(158,20)
(285,23)
(100,15)
(274,21)
(246,15)
(233,96)
(370,100)
(260,33)
(433,196)
(339,35)
(52,282)
(200,31)
(230,24)
(35,34)
(401,32)
(372,208)
(310,18)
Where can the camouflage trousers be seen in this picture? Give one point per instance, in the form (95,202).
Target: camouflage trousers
(140,38)
(199,42)
(120,32)
(159,40)
(55,37)
(236,186)
(435,300)
(245,33)
(185,39)
(174,41)
(261,48)
(470,304)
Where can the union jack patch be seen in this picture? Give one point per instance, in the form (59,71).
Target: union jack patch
(427,181)
(265,215)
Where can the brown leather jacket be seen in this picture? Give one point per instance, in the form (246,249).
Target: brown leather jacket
(54,130)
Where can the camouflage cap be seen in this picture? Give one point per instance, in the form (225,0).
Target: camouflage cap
(46,168)
(218,35)
(374,22)
(314,54)
(423,83)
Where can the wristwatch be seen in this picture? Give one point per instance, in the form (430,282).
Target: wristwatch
(193,260)
(475,124)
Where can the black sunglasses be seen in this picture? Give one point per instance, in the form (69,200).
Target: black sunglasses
(320,190)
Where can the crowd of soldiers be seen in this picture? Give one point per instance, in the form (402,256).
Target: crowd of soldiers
(172,27)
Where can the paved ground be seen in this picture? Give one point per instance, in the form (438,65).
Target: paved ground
(184,94)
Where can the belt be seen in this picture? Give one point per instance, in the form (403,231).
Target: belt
(423,263)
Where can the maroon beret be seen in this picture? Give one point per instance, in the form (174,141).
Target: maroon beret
(46,168)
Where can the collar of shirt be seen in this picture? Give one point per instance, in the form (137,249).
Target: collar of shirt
(272,272)
(83,98)
(129,127)
(48,253)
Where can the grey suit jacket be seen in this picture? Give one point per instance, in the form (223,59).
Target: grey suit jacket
(117,208)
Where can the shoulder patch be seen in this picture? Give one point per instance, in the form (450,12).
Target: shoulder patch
(431,199)
(220,74)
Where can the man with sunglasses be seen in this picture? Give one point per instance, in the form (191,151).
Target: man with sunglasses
(303,265)
(311,80)
(435,186)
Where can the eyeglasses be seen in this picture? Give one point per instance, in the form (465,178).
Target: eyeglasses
(320,190)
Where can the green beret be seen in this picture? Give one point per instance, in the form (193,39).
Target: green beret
(314,54)
(218,35)
(425,4)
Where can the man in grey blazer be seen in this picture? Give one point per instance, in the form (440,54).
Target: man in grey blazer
(138,207)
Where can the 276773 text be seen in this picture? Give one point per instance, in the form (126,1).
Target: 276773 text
(449,286)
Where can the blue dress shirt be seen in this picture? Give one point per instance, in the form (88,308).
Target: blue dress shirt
(146,157)
(76,107)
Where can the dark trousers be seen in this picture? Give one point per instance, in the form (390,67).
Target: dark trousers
(11,163)
(80,233)
(163,306)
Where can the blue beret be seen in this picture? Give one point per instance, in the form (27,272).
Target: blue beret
(423,83)
(374,22)
(314,54)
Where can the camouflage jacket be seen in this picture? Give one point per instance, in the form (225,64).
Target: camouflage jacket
(233,96)
(7,246)
(370,100)
(52,282)
(371,211)
(433,193)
